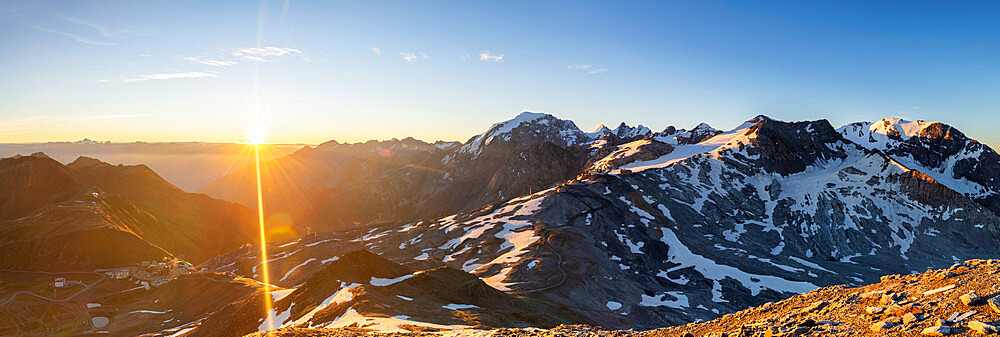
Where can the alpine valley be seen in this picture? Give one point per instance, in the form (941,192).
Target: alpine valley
(532,223)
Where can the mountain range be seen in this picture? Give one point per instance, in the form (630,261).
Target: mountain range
(188,165)
(535,222)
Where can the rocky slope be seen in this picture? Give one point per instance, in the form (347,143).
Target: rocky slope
(932,303)
(363,289)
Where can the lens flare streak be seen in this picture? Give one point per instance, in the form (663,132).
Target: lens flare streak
(263,241)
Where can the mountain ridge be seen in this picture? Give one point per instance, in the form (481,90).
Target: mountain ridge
(89,197)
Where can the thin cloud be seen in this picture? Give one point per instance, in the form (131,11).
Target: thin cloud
(163,76)
(144,55)
(487,56)
(214,63)
(590,69)
(265,54)
(409,57)
(104,31)
(74,36)
(377,51)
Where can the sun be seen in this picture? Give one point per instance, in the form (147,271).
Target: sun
(256,134)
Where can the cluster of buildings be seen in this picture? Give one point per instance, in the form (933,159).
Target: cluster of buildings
(152,273)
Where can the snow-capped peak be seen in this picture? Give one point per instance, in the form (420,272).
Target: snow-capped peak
(601,130)
(87,141)
(900,127)
(932,148)
(622,131)
(883,134)
(625,131)
(501,128)
(697,134)
(703,126)
(541,127)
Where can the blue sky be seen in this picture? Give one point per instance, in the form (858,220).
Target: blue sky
(352,71)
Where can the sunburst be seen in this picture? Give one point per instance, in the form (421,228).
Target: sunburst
(256,137)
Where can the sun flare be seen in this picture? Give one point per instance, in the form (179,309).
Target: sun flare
(256,134)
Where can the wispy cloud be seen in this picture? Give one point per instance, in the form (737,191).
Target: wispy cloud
(214,63)
(409,57)
(265,54)
(78,38)
(377,51)
(163,76)
(590,69)
(487,56)
(143,55)
(104,31)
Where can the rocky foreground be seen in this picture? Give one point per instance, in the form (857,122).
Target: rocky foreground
(959,301)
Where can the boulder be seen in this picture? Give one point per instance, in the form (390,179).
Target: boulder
(881,326)
(981,327)
(936,331)
(972,298)
(910,318)
(874,310)
(994,304)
